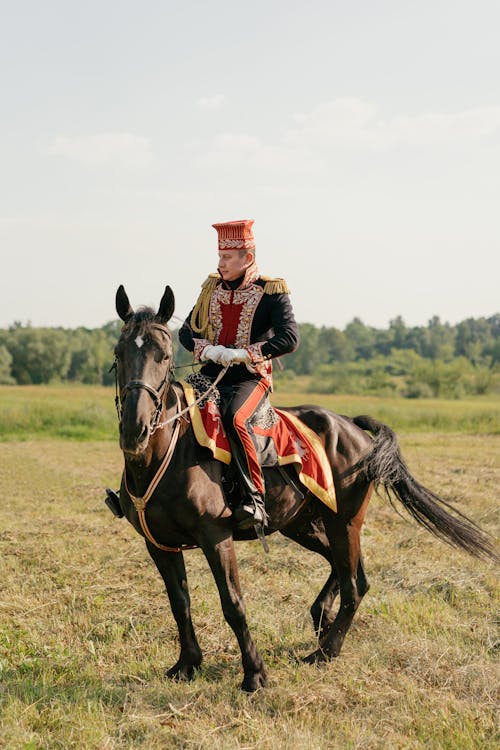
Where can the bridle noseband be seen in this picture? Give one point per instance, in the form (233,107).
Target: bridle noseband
(156,395)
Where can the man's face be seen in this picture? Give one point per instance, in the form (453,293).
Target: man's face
(232,265)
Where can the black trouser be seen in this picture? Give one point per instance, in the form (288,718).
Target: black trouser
(239,402)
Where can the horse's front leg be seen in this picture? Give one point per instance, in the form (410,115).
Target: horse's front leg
(222,560)
(173,571)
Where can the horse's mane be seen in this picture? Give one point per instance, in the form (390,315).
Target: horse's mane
(140,321)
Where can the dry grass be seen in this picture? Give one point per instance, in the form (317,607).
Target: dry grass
(86,631)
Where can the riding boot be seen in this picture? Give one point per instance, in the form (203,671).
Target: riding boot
(252,510)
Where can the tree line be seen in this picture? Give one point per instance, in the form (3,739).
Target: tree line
(438,359)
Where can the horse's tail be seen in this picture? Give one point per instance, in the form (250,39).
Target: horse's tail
(385,466)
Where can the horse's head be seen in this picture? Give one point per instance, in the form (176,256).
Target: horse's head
(144,359)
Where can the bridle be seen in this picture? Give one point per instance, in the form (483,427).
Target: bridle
(156,394)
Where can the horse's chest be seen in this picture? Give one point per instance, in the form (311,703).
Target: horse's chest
(160,522)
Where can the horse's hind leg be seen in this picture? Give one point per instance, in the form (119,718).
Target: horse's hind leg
(343,532)
(309,533)
(344,536)
(222,560)
(172,570)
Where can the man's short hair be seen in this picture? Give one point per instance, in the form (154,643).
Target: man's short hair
(242,252)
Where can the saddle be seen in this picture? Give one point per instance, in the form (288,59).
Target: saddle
(281,439)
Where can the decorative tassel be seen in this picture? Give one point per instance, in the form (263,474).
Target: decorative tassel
(200,322)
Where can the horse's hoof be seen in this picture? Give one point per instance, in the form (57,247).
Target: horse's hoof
(316,657)
(254,681)
(181,672)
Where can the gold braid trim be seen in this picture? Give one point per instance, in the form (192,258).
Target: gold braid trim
(200,319)
(275,286)
(200,322)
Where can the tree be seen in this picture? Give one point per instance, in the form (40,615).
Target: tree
(399,332)
(39,355)
(474,338)
(5,366)
(308,355)
(361,338)
(91,356)
(333,346)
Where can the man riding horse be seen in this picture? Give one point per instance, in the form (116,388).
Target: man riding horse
(241,321)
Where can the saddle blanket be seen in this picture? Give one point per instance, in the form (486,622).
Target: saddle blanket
(287,440)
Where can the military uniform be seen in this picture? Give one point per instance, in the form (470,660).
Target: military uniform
(253,315)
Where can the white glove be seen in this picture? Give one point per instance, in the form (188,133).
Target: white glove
(233,357)
(212,353)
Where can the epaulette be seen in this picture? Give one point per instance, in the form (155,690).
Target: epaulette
(275,286)
(211,281)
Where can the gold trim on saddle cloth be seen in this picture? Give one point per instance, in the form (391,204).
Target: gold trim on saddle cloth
(328,496)
(199,430)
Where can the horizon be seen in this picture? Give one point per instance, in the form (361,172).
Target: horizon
(175,323)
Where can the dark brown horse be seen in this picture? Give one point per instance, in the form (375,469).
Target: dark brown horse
(172,493)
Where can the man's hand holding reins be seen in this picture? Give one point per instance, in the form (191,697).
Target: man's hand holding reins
(234,357)
(212,353)
(225,356)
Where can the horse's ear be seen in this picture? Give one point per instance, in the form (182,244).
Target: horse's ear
(123,307)
(167,305)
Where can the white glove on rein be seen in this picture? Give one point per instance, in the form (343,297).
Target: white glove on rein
(212,353)
(234,357)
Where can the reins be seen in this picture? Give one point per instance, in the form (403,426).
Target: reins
(180,414)
(156,395)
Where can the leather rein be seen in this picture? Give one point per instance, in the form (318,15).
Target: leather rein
(158,396)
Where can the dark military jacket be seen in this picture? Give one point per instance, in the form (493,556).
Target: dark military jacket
(255,316)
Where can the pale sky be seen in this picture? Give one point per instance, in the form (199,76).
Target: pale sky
(363,138)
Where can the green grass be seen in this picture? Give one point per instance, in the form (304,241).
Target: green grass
(70,413)
(478,415)
(86,630)
(88,412)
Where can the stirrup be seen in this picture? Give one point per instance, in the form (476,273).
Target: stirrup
(113,502)
(249,514)
(259,530)
(252,513)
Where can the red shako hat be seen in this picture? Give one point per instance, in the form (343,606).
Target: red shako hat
(235,235)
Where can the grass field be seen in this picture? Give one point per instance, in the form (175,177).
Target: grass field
(88,412)
(86,630)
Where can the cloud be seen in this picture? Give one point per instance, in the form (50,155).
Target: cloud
(211,102)
(319,139)
(250,153)
(124,149)
(351,122)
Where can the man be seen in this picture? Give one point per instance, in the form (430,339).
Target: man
(241,320)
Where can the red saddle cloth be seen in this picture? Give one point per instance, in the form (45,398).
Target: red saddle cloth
(294,443)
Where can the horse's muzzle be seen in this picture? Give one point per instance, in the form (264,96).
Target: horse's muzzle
(134,440)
